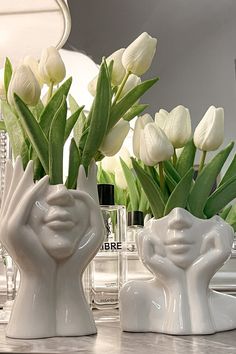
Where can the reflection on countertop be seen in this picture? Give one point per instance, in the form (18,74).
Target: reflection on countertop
(111,340)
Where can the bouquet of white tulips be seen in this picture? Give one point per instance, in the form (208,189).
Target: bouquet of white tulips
(38,129)
(167,174)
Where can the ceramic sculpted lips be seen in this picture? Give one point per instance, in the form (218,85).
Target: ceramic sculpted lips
(59,220)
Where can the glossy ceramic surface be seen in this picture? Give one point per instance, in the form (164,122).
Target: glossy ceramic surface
(183,253)
(52,234)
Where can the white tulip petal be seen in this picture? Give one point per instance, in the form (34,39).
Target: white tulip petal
(51,66)
(120,179)
(118,71)
(155,145)
(132,82)
(25,85)
(209,134)
(138,56)
(115,138)
(139,125)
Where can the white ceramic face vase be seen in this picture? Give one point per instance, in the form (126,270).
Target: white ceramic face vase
(52,234)
(183,253)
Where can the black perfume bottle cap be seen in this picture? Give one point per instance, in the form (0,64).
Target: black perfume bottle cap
(135,218)
(106,194)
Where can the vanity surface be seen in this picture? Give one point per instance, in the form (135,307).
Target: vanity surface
(111,340)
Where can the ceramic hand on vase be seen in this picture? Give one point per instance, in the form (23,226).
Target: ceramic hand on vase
(52,233)
(183,252)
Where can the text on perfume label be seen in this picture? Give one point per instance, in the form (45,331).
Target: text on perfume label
(111,246)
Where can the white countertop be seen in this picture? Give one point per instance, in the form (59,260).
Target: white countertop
(110,340)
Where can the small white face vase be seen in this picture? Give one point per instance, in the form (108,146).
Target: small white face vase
(181,235)
(60,219)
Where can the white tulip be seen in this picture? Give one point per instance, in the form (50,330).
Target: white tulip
(176,125)
(133,81)
(25,85)
(118,71)
(111,163)
(209,134)
(34,66)
(120,179)
(115,138)
(2,86)
(92,86)
(155,146)
(161,118)
(139,126)
(51,67)
(138,56)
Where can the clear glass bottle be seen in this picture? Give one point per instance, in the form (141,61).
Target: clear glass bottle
(135,270)
(107,269)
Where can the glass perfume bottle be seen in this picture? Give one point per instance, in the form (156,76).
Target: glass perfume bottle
(135,270)
(106,269)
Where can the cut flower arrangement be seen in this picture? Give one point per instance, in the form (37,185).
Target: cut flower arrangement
(38,129)
(165,152)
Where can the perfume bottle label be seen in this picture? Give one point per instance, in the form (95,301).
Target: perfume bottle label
(111,246)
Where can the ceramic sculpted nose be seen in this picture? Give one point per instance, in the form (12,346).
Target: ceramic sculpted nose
(60,195)
(179,219)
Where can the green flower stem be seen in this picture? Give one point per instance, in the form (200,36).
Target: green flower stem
(174,158)
(50,91)
(161,175)
(120,89)
(202,161)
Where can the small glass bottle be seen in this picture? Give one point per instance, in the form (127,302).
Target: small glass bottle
(106,269)
(135,270)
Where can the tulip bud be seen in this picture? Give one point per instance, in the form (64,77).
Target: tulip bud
(110,164)
(139,126)
(51,66)
(2,86)
(120,179)
(118,71)
(132,82)
(25,85)
(155,146)
(176,125)
(115,138)
(138,56)
(209,134)
(92,86)
(34,66)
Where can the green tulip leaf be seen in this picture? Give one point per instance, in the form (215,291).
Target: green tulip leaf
(74,162)
(71,121)
(34,132)
(56,144)
(134,111)
(151,190)
(225,212)
(171,183)
(221,197)
(231,172)
(171,171)
(179,196)
(122,106)
(2,125)
(7,74)
(186,159)
(205,181)
(73,105)
(132,188)
(100,116)
(231,217)
(53,105)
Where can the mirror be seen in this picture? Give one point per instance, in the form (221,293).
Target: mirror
(27,26)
